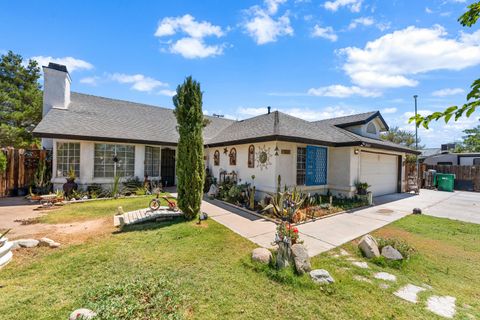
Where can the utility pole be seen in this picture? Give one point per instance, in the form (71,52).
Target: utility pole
(416,138)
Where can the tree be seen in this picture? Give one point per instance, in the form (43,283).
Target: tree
(403,137)
(471,141)
(468,19)
(20,100)
(190,163)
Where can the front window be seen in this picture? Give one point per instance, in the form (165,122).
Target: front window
(114,159)
(152,161)
(68,158)
(301,165)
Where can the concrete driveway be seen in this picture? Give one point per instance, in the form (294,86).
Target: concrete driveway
(322,235)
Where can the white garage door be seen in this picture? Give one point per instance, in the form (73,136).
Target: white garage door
(380,171)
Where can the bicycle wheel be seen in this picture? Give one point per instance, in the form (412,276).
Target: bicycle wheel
(154,204)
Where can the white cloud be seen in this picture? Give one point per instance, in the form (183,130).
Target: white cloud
(72,64)
(168,93)
(364,21)
(139,82)
(428,10)
(392,59)
(339,91)
(303,113)
(193,46)
(353,5)
(263,27)
(447,92)
(93,81)
(326,33)
(389,110)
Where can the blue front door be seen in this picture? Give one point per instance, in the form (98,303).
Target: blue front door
(316,166)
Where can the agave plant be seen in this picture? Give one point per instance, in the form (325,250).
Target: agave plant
(285,204)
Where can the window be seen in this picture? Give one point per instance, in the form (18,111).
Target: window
(114,159)
(216,158)
(68,158)
(301,165)
(251,156)
(444,163)
(233,157)
(476,161)
(371,128)
(152,161)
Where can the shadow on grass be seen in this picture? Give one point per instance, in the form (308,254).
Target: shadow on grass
(153,225)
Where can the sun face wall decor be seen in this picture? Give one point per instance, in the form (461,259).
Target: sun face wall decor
(263,157)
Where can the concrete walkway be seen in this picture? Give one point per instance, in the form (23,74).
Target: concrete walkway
(322,235)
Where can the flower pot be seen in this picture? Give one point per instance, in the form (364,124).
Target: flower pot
(69,187)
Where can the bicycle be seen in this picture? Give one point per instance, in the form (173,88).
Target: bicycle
(155,204)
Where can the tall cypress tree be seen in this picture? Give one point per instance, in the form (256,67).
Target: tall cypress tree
(190,163)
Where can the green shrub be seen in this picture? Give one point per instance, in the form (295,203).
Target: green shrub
(145,297)
(131,185)
(401,245)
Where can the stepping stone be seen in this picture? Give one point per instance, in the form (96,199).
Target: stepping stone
(359,264)
(361,278)
(442,306)
(344,252)
(409,292)
(385,276)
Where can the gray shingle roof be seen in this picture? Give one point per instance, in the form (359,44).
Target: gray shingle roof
(102,119)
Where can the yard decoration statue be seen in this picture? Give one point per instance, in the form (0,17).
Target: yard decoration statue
(70,186)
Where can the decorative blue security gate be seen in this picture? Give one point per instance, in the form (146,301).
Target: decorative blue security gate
(316,166)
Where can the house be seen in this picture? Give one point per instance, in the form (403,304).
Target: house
(99,138)
(448,159)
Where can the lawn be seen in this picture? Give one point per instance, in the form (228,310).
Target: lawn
(177,270)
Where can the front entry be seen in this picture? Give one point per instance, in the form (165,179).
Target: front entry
(168,167)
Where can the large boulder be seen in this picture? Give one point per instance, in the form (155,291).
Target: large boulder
(391,253)
(301,258)
(261,255)
(321,276)
(82,314)
(369,246)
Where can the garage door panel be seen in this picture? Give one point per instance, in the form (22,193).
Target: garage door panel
(380,171)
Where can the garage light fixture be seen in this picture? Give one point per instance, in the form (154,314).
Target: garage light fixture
(356,151)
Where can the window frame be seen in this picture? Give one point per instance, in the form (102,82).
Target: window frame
(151,166)
(371,125)
(109,152)
(301,166)
(59,159)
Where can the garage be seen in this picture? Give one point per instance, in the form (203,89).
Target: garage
(380,171)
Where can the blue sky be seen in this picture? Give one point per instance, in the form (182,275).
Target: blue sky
(312,59)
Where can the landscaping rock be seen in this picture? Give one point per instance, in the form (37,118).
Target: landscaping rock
(26,243)
(301,258)
(442,306)
(385,276)
(344,253)
(321,276)
(391,253)
(409,292)
(82,314)
(46,242)
(369,246)
(359,264)
(261,255)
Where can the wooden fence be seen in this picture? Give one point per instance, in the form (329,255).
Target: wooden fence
(22,166)
(467,178)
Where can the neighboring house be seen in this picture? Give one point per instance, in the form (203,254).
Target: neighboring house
(100,138)
(462,159)
(428,152)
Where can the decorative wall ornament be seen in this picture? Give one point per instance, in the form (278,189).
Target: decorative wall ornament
(216,158)
(251,156)
(233,157)
(263,157)
(225,150)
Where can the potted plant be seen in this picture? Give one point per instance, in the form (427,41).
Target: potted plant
(361,188)
(70,186)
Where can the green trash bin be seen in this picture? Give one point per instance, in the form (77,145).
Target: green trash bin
(445,181)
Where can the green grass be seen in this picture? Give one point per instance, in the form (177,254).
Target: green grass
(95,209)
(176,270)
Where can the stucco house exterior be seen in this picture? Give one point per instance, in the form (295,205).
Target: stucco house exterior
(100,137)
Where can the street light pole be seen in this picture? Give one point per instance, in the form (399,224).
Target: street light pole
(416,137)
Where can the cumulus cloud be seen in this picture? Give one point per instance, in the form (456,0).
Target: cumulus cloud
(353,5)
(340,91)
(262,25)
(138,82)
(168,93)
(326,33)
(363,21)
(93,81)
(447,92)
(73,64)
(391,60)
(193,44)
(389,110)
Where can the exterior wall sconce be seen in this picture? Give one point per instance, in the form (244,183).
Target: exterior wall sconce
(356,151)
(276,150)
